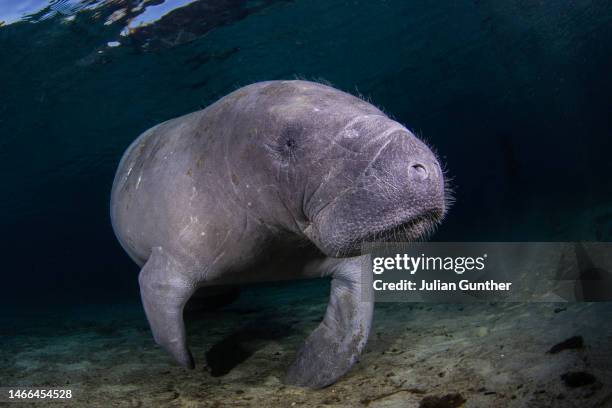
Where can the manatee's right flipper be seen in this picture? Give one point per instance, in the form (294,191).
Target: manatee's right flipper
(164,289)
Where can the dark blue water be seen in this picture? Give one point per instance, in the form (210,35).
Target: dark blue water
(514,95)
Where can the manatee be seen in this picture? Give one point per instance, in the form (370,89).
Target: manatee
(277,180)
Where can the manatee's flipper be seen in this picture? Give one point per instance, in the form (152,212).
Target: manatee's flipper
(211,298)
(164,289)
(332,349)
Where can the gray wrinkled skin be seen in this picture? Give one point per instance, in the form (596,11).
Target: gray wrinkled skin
(277,180)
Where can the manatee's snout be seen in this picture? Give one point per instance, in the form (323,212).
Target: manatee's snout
(406,180)
(418,171)
(425,170)
(399,197)
(425,178)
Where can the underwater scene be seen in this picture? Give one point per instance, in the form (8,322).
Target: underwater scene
(201,199)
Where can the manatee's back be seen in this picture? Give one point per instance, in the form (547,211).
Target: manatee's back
(144,184)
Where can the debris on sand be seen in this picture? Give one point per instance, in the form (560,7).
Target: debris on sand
(576,379)
(453,400)
(575,342)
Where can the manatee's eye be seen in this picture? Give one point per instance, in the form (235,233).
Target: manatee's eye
(290,135)
(288,143)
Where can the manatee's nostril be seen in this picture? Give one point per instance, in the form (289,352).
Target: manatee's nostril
(419,171)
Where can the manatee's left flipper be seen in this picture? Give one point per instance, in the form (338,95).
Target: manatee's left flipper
(165,287)
(332,349)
